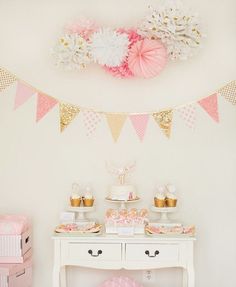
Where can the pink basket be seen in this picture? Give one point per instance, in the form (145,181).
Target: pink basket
(120,281)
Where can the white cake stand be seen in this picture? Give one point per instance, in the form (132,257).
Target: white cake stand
(81,211)
(122,202)
(164,212)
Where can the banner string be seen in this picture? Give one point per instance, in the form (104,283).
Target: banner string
(104,112)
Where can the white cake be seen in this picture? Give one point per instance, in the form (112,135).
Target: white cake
(122,192)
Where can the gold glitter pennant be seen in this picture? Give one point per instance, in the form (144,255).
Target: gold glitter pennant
(229,92)
(67,114)
(6,79)
(116,123)
(164,120)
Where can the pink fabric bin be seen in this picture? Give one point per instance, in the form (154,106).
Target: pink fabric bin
(15,248)
(16,275)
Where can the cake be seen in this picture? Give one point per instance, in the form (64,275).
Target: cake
(88,199)
(122,192)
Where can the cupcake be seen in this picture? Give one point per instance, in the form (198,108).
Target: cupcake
(171,199)
(75,200)
(159,200)
(88,199)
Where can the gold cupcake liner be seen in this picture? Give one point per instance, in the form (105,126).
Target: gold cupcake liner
(170,202)
(88,202)
(159,202)
(75,202)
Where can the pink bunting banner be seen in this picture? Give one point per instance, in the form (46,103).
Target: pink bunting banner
(23,93)
(92,118)
(139,123)
(210,105)
(188,115)
(44,105)
(91,121)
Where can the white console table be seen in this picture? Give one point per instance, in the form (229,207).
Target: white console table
(131,253)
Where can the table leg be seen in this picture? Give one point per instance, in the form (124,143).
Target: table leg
(56,276)
(63,276)
(191,279)
(188,277)
(185,278)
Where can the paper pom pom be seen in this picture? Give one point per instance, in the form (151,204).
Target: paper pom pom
(120,281)
(72,52)
(109,47)
(132,34)
(84,27)
(147,58)
(123,70)
(177,28)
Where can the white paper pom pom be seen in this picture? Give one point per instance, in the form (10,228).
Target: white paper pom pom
(72,52)
(109,47)
(177,28)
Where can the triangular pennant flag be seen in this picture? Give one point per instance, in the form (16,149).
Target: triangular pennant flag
(188,114)
(23,93)
(164,120)
(67,114)
(91,120)
(116,123)
(210,105)
(229,92)
(6,79)
(139,123)
(44,105)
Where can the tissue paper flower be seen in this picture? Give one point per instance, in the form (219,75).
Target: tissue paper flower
(109,47)
(123,70)
(147,58)
(177,28)
(84,27)
(72,52)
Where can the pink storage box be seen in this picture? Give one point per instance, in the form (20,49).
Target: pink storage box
(15,248)
(15,239)
(16,275)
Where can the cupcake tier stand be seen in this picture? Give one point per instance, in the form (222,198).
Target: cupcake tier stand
(164,213)
(122,203)
(81,212)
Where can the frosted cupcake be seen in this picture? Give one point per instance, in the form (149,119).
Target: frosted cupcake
(75,200)
(159,200)
(88,199)
(171,199)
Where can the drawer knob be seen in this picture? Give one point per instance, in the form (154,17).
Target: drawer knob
(155,253)
(94,255)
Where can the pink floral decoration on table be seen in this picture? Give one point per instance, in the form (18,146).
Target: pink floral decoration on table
(85,27)
(147,58)
(120,281)
(123,71)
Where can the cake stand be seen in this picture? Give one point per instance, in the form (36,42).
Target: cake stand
(164,212)
(81,211)
(122,203)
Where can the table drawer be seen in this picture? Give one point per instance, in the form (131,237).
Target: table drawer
(152,252)
(75,251)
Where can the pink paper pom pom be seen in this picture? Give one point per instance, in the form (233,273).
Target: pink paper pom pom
(123,70)
(147,58)
(120,281)
(84,27)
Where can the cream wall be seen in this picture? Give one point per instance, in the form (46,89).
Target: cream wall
(38,164)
